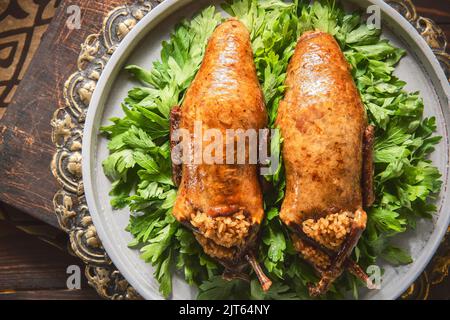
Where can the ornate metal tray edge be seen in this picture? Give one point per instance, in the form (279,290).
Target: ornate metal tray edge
(67,130)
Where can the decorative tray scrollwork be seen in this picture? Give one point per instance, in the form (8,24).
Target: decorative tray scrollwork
(67,135)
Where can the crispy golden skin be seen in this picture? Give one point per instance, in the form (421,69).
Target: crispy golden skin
(322,121)
(225,94)
(326,140)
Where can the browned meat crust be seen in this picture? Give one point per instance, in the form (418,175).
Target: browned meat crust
(225,94)
(367,173)
(322,122)
(223,202)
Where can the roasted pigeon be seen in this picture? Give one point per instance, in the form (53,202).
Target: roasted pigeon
(222,203)
(327,152)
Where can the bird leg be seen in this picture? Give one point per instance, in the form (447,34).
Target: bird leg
(351,265)
(336,268)
(265,282)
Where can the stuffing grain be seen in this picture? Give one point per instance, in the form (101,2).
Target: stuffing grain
(214,250)
(225,231)
(331,230)
(316,257)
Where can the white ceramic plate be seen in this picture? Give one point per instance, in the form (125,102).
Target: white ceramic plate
(142,46)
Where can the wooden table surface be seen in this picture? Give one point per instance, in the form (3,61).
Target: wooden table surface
(34,266)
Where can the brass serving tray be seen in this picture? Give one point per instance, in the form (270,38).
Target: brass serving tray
(67,135)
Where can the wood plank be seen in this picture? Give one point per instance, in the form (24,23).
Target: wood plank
(33,226)
(25,132)
(83,294)
(28,264)
(437,10)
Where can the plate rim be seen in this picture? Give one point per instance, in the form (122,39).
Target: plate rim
(111,69)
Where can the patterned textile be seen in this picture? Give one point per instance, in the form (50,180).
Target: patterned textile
(22,25)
